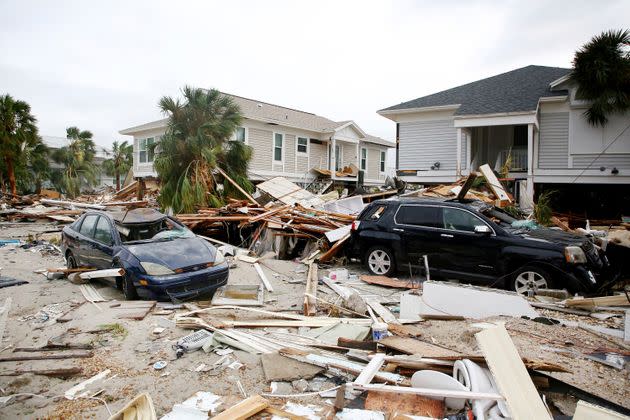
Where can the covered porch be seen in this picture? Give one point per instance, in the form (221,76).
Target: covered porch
(506,143)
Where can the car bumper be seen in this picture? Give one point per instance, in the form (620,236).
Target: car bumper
(183,286)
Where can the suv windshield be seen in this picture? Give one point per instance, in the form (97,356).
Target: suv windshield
(162,230)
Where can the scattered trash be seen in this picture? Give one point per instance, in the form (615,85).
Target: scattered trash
(160,365)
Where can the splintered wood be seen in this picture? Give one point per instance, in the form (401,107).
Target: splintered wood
(310,296)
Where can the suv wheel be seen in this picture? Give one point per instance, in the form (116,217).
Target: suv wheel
(380,261)
(528,280)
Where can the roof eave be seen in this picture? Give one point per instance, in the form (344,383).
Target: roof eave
(392,112)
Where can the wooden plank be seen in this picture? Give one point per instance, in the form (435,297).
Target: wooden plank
(269,213)
(370,370)
(588,411)
(238,187)
(390,282)
(510,374)
(493,182)
(248,259)
(310,296)
(245,409)
(341,291)
(390,403)
(431,392)
(470,180)
(382,311)
(111,272)
(334,249)
(4,314)
(412,346)
(284,414)
(591,303)
(626,331)
(48,356)
(263,277)
(55,373)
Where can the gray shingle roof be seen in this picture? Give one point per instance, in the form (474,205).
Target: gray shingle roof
(515,91)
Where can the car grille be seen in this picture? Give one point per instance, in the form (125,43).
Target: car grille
(592,256)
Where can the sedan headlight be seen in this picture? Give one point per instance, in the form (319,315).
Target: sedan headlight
(219,258)
(574,255)
(154,269)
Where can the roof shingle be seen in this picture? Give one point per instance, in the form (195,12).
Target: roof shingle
(515,91)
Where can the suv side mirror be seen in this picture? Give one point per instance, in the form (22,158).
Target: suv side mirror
(483,229)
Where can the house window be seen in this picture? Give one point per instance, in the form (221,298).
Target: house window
(363,159)
(302,145)
(278,140)
(146,152)
(382,162)
(239,135)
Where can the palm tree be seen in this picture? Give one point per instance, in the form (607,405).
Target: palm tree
(601,71)
(197,141)
(36,159)
(17,130)
(77,158)
(120,161)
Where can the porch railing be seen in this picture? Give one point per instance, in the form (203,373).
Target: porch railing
(518,158)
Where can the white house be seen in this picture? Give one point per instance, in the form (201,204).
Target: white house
(286,142)
(530,114)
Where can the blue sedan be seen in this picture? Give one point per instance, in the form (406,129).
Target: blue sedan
(162,259)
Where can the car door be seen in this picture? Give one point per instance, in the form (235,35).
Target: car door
(85,242)
(417,225)
(466,254)
(103,249)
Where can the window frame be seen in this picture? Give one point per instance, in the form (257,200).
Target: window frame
(245,134)
(297,145)
(146,149)
(91,236)
(469,212)
(442,229)
(416,226)
(363,159)
(273,148)
(382,160)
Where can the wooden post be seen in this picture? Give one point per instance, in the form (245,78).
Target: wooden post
(238,187)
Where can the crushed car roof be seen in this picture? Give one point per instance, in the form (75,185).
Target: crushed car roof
(137,216)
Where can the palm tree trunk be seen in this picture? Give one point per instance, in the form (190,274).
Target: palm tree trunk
(11,174)
(117,180)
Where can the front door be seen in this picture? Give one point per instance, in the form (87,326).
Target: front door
(467,255)
(417,226)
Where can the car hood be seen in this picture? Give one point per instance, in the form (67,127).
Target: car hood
(176,253)
(550,235)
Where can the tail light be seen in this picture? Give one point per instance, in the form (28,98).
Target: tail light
(355,225)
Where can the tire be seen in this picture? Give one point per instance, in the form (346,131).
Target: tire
(527,280)
(71,261)
(380,261)
(128,289)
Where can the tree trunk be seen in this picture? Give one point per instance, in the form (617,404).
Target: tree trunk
(117,181)
(11,174)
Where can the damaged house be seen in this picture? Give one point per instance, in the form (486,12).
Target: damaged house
(297,145)
(529,119)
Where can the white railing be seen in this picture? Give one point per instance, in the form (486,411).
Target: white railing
(518,156)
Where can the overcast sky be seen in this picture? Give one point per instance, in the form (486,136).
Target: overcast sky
(103,65)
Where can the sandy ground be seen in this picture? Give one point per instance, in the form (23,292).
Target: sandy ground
(130,352)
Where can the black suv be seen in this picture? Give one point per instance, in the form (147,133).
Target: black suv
(475,242)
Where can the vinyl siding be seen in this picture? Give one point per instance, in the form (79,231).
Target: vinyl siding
(372,163)
(260,141)
(554,141)
(289,152)
(319,155)
(619,161)
(422,143)
(349,154)
(302,165)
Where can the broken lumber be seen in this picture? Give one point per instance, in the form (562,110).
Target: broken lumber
(430,392)
(591,303)
(382,311)
(263,277)
(55,373)
(334,249)
(310,296)
(111,272)
(510,374)
(48,356)
(238,187)
(367,374)
(245,409)
(495,185)
(72,204)
(390,282)
(470,180)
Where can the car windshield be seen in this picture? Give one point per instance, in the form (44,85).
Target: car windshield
(162,230)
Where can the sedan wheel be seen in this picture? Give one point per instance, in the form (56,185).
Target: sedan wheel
(380,261)
(71,262)
(528,282)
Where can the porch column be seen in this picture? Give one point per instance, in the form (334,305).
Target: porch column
(529,192)
(458,169)
(469,150)
(333,157)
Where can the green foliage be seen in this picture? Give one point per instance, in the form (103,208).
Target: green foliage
(78,160)
(120,161)
(18,134)
(197,141)
(542,208)
(601,70)
(115,329)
